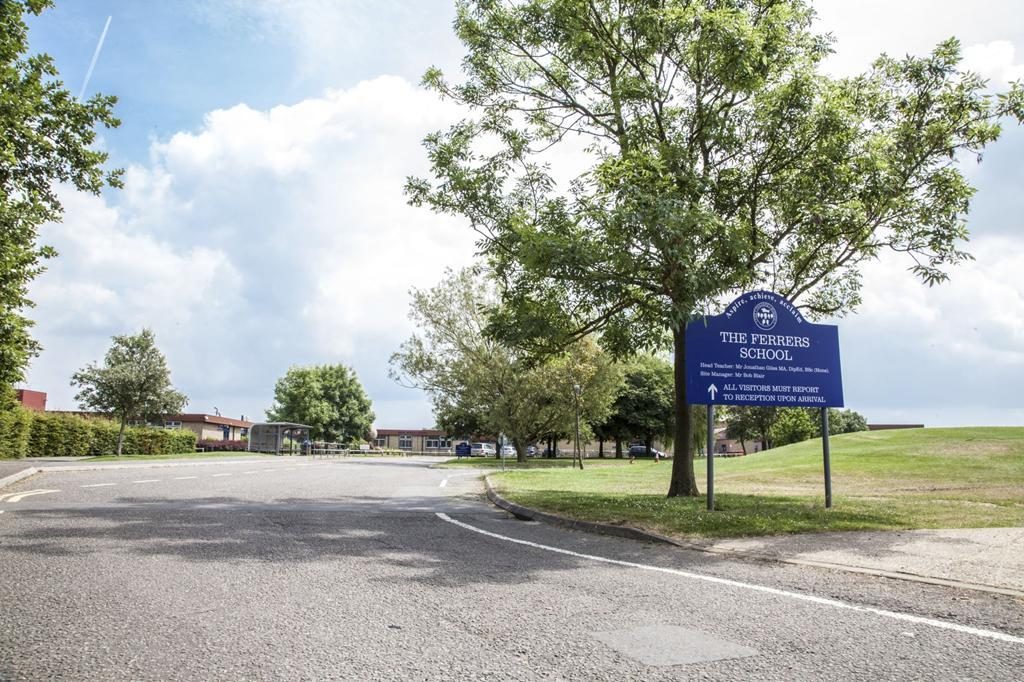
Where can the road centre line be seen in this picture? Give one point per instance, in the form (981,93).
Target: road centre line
(98,485)
(254,471)
(216,475)
(148,480)
(443,483)
(185,478)
(835,603)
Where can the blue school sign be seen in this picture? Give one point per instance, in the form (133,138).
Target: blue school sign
(761,351)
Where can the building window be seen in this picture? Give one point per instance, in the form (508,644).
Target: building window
(405,442)
(381,441)
(172,425)
(438,443)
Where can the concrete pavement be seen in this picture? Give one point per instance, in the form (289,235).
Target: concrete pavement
(357,570)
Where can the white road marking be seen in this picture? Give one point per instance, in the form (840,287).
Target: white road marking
(97,485)
(18,497)
(148,480)
(251,472)
(443,483)
(185,478)
(216,475)
(835,603)
(268,469)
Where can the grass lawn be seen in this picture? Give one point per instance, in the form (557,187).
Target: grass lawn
(185,455)
(532,463)
(915,478)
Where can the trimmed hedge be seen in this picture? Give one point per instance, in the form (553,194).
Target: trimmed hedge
(24,433)
(217,445)
(15,430)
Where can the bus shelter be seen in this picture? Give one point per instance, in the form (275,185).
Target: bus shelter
(280,438)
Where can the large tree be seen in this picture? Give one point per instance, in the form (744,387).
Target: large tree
(329,398)
(133,382)
(46,138)
(478,384)
(721,159)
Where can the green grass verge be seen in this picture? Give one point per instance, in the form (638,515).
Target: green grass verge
(882,480)
(532,463)
(185,455)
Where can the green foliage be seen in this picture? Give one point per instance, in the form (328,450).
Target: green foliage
(71,435)
(722,160)
(328,398)
(46,138)
(793,425)
(751,423)
(643,407)
(15,430)
(133,383)
(841,421)
(480,385)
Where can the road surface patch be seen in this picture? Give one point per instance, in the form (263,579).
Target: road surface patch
(671,645)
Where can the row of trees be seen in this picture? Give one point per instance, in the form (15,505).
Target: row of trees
(481,386)
(775,426)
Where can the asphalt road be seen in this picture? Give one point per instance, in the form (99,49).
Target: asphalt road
(385,569)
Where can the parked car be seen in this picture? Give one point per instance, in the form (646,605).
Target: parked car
(641,451)
(484,450)
(508,451)
(531,451)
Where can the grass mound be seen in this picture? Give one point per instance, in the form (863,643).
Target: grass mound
(900,479)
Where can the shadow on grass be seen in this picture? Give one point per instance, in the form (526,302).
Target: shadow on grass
(734,515)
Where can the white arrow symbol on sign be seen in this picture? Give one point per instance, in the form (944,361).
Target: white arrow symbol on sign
(712,389)
(17,497)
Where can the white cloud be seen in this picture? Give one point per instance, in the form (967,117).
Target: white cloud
(866,28)
(261,240)
(949,354)
(995,61)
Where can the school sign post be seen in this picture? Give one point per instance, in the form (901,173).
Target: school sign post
(761,351)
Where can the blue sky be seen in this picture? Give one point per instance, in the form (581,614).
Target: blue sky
(263,224)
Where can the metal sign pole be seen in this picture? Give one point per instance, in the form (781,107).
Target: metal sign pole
(825,454)
(711,457)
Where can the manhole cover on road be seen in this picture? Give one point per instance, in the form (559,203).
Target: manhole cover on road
(671,645)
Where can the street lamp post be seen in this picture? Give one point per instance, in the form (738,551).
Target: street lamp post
(578,453)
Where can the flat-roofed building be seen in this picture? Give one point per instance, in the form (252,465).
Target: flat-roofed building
(209,426)
(414,440)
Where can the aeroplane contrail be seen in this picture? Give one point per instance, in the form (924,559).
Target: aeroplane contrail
(95,56)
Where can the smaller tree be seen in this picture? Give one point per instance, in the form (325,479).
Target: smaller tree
(752,423)
(328,398)
(793,425)
(133,383)
(644,406)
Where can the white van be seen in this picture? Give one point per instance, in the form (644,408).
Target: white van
(483,450)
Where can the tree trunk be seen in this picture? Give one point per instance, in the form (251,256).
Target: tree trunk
(743,444)
(684,482)
(120,435)
(648,443)
(618,448)
(520,451)
(600,448)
